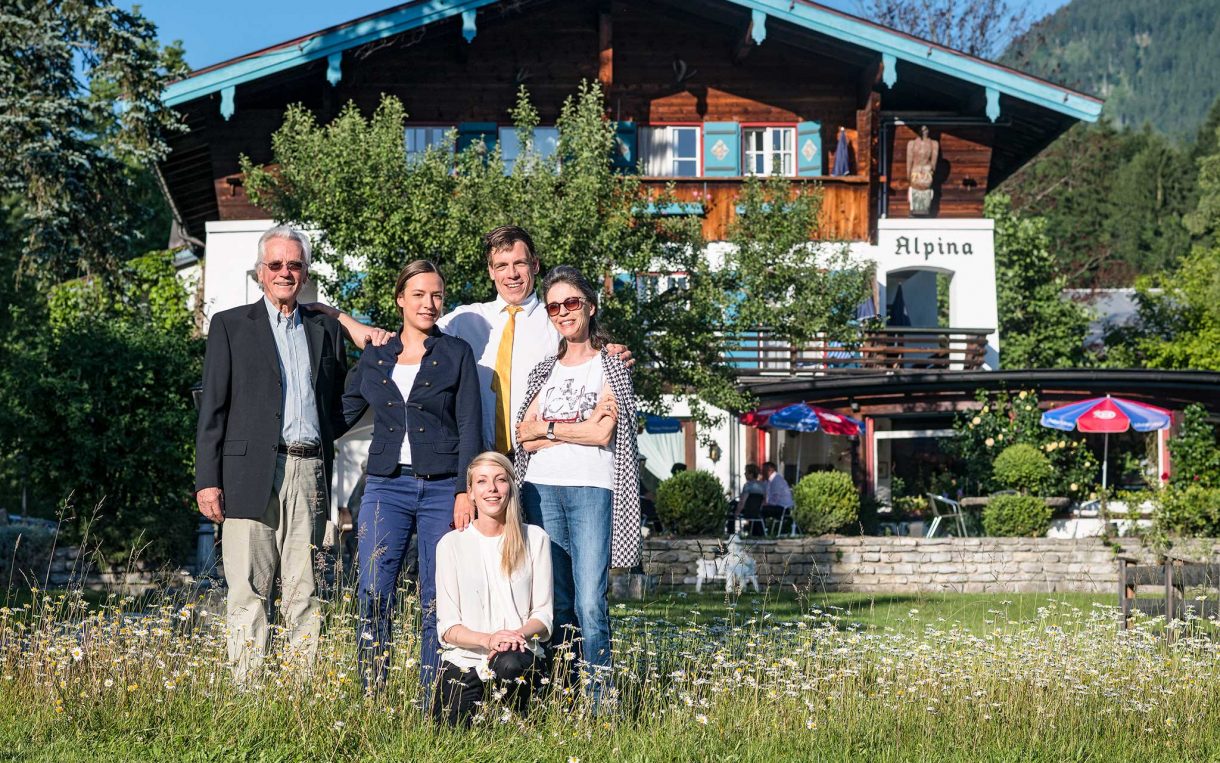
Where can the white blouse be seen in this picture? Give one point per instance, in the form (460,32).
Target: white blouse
(471,590)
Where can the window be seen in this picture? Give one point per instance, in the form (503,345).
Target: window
(649,285)
(545,143)
(769,150)
(670,151)
(420,139)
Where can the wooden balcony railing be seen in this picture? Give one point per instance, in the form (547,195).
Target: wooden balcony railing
(931,349)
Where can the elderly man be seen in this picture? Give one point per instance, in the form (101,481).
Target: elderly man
(270,412)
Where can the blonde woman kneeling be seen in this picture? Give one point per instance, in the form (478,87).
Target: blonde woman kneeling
(493,597)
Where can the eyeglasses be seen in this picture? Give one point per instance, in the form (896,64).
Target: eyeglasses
(295,266)
(571,304)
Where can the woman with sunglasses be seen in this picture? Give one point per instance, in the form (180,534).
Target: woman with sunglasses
(577,456)
(423,387)
(493,598)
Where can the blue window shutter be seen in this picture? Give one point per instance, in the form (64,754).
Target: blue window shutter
(626,155)
(809,149)
(721,149)
(469,132)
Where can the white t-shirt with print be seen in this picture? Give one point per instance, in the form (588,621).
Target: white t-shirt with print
(569,396)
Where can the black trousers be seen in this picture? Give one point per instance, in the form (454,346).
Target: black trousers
(454,700)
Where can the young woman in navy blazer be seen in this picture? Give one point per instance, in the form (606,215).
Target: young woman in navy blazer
(423,387)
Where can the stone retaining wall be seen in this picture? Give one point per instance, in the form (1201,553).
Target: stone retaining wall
(901,564)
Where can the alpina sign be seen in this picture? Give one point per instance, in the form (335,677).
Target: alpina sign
(915,246)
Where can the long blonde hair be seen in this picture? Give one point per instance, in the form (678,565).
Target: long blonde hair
(512,552)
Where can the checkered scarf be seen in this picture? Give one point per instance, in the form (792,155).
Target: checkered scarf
(625,522)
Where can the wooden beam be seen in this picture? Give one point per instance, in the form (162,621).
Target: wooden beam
(756,32)
(605,57)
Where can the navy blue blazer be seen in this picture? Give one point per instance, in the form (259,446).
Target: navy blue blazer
(442,416)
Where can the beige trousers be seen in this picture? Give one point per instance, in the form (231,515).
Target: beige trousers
(281,544)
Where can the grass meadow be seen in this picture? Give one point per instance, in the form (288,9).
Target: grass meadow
(784,675)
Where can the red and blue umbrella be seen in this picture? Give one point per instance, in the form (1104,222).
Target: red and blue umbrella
(802,417)
(1107,415)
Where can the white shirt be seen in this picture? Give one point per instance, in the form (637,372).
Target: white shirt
(569,395)
(778,492)
(471,590)
(404,378)
(481,325)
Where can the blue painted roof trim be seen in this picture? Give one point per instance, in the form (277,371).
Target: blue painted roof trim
(916,52)
(321,46)
(892,45)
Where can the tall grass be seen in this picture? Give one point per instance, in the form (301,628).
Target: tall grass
(146,680)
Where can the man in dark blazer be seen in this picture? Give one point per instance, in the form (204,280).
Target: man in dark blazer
(269,414)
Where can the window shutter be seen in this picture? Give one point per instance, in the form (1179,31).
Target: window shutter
(469,132)
(626,154)
(809,149)
(721,149)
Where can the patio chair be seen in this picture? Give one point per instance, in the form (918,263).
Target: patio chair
(788,516)
(948,513)
(752,516)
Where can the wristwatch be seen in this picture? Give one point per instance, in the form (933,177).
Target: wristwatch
(550,431)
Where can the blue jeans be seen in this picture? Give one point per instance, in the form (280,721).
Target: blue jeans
(578,521)
(392,510)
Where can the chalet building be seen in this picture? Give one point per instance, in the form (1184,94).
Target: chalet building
(704,93)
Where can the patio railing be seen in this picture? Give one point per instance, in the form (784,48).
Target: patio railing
(933,349)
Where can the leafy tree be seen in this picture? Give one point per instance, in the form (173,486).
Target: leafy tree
(1038,328)
(1004,419)
(80,90)
(1196,459)
(373,211)
(978,27)
(96,363)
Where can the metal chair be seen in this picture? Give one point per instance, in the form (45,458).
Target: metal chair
(751,514)
(945,509)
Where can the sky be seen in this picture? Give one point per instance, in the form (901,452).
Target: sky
(218,30)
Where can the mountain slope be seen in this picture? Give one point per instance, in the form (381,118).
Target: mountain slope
(1154,61)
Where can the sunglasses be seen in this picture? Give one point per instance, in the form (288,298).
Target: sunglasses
(571,304)
(295,266)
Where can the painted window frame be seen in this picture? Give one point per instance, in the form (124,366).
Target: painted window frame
(768,129)
(671,141)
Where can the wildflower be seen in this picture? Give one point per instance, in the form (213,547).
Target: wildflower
(77,653)
(701,719)
(811,724)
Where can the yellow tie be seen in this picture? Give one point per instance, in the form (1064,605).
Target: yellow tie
(502,384)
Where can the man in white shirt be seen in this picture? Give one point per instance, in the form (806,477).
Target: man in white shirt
(515,315)
(779,495)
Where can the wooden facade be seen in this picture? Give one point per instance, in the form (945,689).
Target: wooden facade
(661,62)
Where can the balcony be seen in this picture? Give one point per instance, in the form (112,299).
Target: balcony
(886,350)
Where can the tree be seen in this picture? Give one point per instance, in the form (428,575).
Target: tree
(96,349)
(678,311)
(979,27)
(1038,328)
(80,90)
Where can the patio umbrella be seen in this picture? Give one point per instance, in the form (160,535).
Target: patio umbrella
(1107,414)
(802,417)
(898,310)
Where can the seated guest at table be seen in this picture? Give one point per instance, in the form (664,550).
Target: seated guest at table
(493,597)
(778,496)
(578,459)
(423,387)
(753,486)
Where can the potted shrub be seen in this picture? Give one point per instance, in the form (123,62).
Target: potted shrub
(692,503)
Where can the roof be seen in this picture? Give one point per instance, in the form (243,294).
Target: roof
(925,392)
(894,47)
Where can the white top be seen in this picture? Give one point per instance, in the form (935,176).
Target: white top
(778,492)
(481,325)
(404,378)
(471,590)
(569,395)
